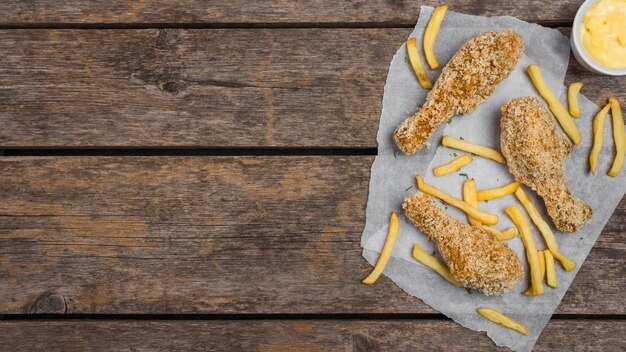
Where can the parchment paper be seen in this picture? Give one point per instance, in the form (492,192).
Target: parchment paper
(393,177)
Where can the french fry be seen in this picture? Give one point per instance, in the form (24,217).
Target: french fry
(432,262)
(544,228)
(416,63)
(392,234)
(493,193)
(598,138)
(619,136)
(531,248)
(505,235)
(501,319)
(509,233)
(430,35)
(572,98)
(564,118)
(550,269)
(486,218)
(542,264)
(452,166)
(451,142)
(469,196)
(542,268)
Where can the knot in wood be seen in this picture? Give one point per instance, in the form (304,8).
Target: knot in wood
(172,87)
(168,38)
(49,303)
(362,343)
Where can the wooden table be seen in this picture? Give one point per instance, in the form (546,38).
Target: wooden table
(193,175)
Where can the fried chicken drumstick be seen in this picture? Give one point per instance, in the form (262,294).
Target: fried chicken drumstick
(535,153)
(475,257)
(470,77)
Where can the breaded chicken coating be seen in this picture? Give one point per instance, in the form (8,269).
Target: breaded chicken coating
(535,152)
(476,258)
(470,77)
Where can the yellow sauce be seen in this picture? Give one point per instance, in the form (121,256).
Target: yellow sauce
(603,33)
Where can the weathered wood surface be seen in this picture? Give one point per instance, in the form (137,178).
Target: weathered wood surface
(294,335)
(171,87)
(204,88)
(188,12)
(215,235)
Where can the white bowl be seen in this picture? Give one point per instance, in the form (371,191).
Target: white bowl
(579,51)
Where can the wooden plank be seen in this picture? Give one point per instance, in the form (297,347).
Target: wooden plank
(215,235)
(295,335)
(204,88)
(374,12)
(71,88)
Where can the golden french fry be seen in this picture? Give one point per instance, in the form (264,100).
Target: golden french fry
(505,235)
(469,196)
(619,136)
(451,142)
(453,165)
(544,228)
(572,98)
(493,193)
(430,35)
(542,264)
(598,137)
(564,118)
(509,233)
(416,63)
(550,269)
(542,268)
(392,234)
(501,319)
(487,218)
(432,262)
(531,248)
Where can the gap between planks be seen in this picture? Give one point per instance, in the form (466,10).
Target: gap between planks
(174,151)
(249,25)
(276,316)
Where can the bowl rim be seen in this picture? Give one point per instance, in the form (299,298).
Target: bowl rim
(582,53)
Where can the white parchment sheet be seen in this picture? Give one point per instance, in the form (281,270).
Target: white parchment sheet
(393,177)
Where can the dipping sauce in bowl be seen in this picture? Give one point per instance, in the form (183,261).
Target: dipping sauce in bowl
(603,33)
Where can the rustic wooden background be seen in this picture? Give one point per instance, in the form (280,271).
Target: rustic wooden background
(193,175)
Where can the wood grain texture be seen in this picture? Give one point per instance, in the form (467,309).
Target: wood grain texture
(204,88)
(294,335)
(215,235)
(174,87)
(400,12)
